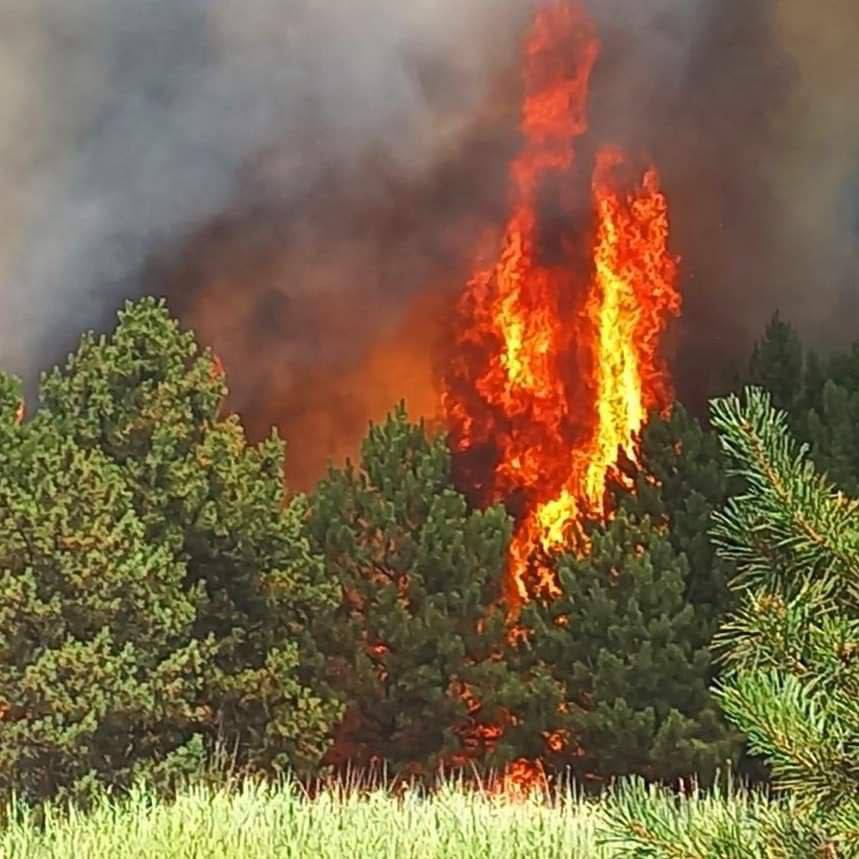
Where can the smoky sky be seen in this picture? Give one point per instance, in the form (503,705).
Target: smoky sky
(297,176)
(746,109)
(127,125)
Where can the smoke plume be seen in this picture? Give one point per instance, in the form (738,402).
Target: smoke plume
(126,127)
(745,108)
(309,183)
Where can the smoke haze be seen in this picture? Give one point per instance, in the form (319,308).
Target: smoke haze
(308,183)
(126,126)
(746,110)
(817,175)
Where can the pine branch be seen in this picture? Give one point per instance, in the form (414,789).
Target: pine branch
(793,645)
(649,822)
(801,731)
(790,520)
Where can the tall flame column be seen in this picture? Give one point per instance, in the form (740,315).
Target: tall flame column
(559,342)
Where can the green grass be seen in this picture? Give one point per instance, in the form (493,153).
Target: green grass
(257,822)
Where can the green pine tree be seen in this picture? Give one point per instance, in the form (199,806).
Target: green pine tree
(829,423)
(814,381)
(420,574)
(833,432)
(679,480)
(821,398)
(791,647)
(778,365)
(623,645)
(100,679)
(149,400)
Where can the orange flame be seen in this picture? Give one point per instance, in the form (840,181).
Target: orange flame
(559,350)
(559,344)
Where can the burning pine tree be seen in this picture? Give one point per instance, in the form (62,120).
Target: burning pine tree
(558,359)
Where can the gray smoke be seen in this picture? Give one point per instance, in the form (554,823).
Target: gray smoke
(352,147)
(125,125)
(817,173)
(748,110)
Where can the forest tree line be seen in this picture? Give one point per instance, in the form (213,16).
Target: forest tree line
(163,594)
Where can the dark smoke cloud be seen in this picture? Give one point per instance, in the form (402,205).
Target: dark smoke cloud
(308,181)
(818,175)
(747,108)
(125,126)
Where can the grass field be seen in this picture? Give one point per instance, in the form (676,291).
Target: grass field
(255,822)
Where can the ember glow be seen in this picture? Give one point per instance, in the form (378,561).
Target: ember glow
(558,360)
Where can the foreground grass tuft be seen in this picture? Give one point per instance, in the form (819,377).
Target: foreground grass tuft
(258,822)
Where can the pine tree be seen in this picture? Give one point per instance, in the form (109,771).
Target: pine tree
(149,400)
(834,437)
(100,680)
(417,639)
(778,365)
(814,381)
(821,398)
(829,423)
(678,480)
(623,644)
(792,646)
(824,406)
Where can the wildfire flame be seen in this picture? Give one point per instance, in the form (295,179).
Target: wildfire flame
(559,359)
(558,341)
